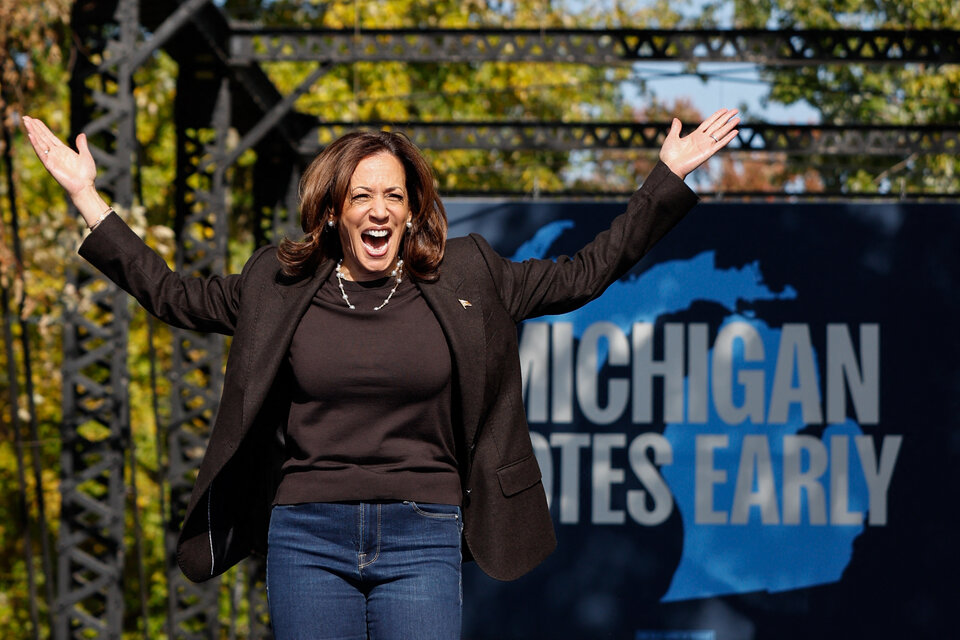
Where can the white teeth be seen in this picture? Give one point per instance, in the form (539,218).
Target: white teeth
(376,233)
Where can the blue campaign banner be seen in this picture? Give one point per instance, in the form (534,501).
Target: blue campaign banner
(753,434)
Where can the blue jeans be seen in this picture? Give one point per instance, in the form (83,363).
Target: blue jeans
(365,570)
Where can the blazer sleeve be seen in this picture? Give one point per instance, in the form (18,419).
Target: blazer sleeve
(209,304)
(540,287)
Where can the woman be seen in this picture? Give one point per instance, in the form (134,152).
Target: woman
(372,394)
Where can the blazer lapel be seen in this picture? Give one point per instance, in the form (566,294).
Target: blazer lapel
(282,305)
(460,314)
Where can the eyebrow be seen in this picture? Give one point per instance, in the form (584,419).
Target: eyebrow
(366,188)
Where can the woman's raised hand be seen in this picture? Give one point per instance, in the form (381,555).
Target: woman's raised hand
(683,155)
(74,170)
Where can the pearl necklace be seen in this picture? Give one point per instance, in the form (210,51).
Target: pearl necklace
(398,272)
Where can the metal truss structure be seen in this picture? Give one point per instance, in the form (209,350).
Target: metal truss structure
(582,46)
(197,368)
(569,136)
(222,91)
(96,429)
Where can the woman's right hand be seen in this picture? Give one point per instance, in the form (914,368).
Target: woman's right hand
(74,170)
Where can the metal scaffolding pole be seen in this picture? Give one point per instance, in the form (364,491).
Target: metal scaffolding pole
(196,376)
(95,427)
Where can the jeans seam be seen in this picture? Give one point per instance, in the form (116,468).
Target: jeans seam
(377,553)
(360,553)
(436,516)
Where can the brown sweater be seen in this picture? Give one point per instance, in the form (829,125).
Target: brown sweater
(371,416)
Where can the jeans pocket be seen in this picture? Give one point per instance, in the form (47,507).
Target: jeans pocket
(436,511)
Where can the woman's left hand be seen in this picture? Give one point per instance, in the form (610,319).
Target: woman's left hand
(683,155)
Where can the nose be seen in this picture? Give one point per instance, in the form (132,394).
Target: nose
(379,209)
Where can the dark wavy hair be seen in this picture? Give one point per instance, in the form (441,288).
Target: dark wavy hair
(323,191)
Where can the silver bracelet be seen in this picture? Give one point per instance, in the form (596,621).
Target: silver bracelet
(103,216)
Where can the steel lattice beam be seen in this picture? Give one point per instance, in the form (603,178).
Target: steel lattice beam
(568,136)
(95,427)
(207,34)
(583,46)
(276,194)
(196,374)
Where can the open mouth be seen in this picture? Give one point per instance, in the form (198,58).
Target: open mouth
(375,240)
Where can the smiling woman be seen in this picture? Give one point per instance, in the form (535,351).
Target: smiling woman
(379,190)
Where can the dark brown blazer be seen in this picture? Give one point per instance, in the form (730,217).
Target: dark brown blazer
(478,300)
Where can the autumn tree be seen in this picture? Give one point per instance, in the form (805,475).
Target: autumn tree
(31,61)
(892,92)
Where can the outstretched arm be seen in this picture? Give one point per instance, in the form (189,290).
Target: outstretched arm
(203,304)
(538,287)
(74,170)
(683,155)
